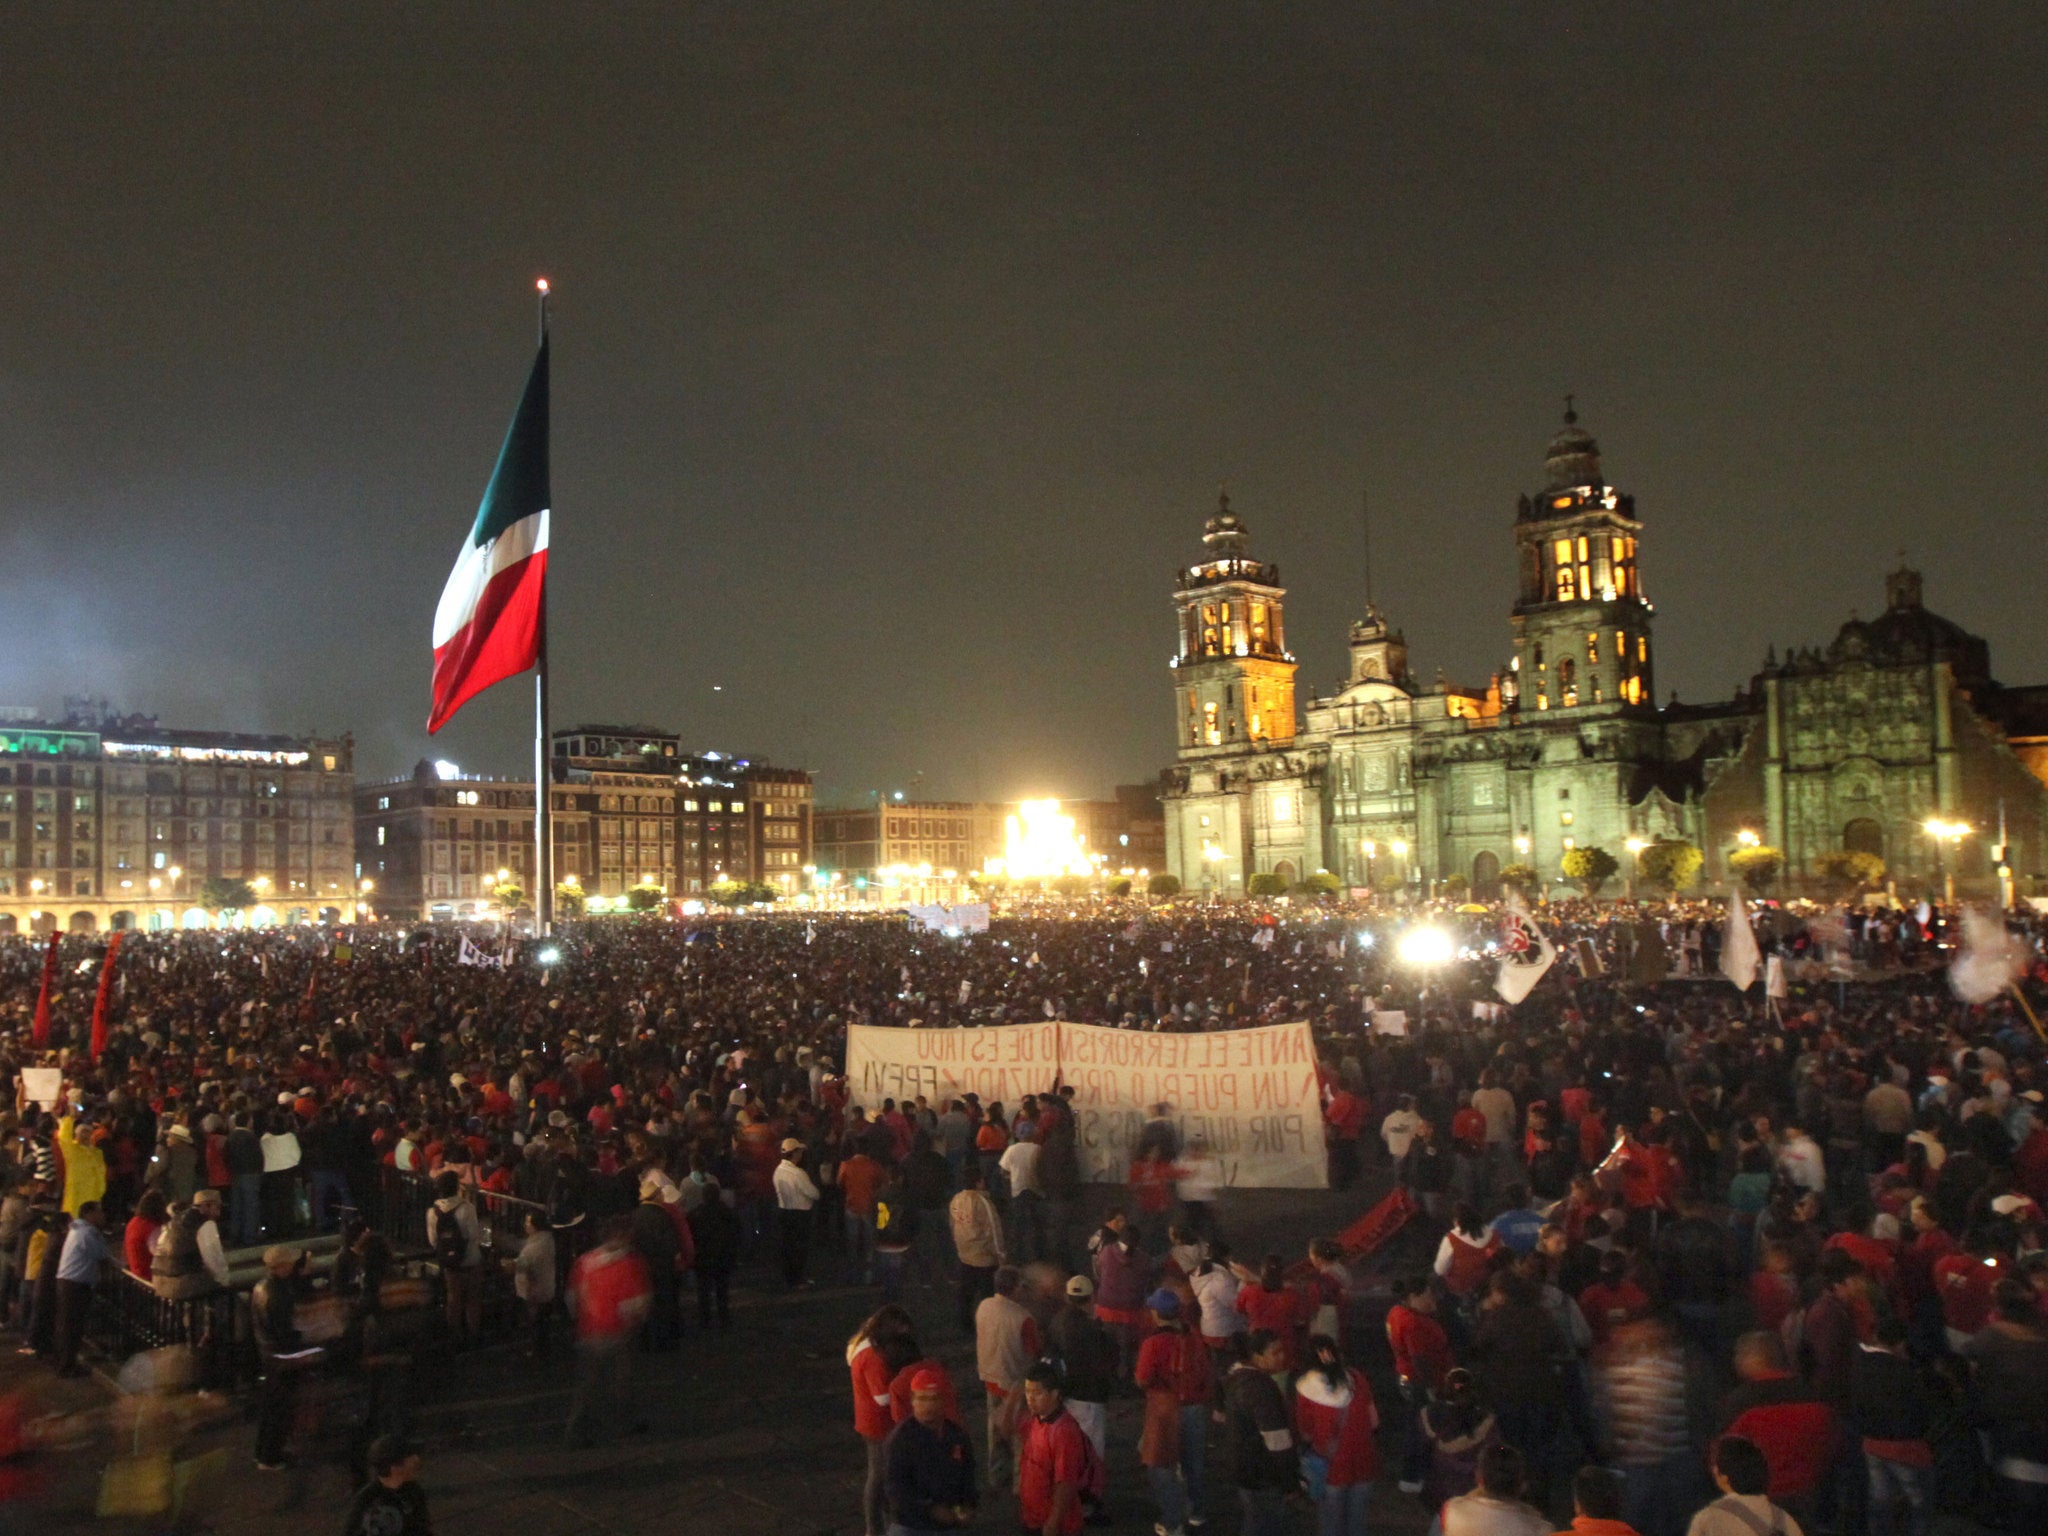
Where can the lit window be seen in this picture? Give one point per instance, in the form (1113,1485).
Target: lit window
(380,837)
(1564,818)
(1642,647)
(1543,701)
(1593,648)
(383,802)
(1210,733)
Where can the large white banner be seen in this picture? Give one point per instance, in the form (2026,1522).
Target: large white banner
(1252,1094)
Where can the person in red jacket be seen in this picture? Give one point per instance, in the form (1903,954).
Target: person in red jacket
(608,1294)
(1784,1417)
(868,1355)
(1272,1304)
(1964,1282)
(1173,1373)
(1345,1118)
(1422,1357)
(1335,1419)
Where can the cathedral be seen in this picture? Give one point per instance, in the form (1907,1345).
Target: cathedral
(1392,785)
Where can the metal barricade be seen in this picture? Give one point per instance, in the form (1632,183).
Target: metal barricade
(128,1317)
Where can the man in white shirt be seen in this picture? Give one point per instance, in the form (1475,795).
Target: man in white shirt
(795,1194)
(188,1259)
(1398,1129)
(1019,1163)
(1800,1160)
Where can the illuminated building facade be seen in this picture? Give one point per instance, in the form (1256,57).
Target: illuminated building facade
(1391,784)
(117,823)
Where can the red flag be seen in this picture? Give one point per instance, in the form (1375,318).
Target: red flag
(100,1003)
(42,1024)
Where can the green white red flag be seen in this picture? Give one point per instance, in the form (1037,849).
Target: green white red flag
(492,618)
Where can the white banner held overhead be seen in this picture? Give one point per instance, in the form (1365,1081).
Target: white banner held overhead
(968,917)
(1252,1094)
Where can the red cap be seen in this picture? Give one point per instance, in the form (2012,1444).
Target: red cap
(928,1380)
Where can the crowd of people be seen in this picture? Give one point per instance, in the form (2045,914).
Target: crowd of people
(1669,1235)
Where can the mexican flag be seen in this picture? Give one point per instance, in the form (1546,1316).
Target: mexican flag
(492,617)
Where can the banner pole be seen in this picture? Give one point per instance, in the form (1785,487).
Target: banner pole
(543,838)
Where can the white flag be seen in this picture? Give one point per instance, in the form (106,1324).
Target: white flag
(1990,960)
(1775,984)
(1739,957)
(966,991)
(469,954)
(1526,953)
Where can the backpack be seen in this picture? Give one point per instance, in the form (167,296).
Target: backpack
(451,1246)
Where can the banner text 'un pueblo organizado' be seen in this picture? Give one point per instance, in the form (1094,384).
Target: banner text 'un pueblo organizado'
(1252,1094)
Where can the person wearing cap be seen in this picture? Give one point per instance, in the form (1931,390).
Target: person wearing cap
(1174,1374)
(927,1464)
(1087,1351)
(272,1306)
(391,1503)
(190,1259)
(795,1193)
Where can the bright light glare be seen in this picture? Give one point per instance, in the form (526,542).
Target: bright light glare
(1426,947)
(1366,939)
(1039,843)
(443,769)
(549,956)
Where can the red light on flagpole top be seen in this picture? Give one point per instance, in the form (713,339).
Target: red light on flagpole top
(542,285)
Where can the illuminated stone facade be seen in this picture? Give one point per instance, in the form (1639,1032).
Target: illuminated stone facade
(119,823)
(1394,785)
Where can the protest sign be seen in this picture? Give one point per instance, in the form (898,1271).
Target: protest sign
(42,1085)
(1252,1094)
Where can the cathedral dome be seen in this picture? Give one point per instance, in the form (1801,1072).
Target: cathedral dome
(1574,457)
(1225,534)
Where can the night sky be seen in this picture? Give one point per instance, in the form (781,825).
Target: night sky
(900,350)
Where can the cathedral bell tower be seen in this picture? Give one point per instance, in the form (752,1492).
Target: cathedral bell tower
(1581,624)
(1233,677)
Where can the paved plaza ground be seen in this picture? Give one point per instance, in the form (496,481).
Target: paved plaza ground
(749,1431)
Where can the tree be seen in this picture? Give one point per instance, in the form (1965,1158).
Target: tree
(1163,885)
(1322,883)
(729,893)
(1669,864)
(1520,878)
(644,898)
(1120,887)
(1456,885)
(508,894)
(219,895)
(761,893)
(1265,885)
(1847,872)
(1757,867)
(1588,868)
(1069,885)
(568,900)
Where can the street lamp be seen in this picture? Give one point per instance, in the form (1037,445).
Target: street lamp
(1370,849)
(1748,838)
(1211,856)
(1522,845)
(1945,834)
(1635,847)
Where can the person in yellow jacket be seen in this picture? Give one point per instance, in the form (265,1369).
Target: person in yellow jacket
(85,1167)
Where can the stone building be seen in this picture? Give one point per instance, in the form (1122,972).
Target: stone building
(117,822)
(1391,784)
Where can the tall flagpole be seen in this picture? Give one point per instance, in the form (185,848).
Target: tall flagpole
(543,839)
